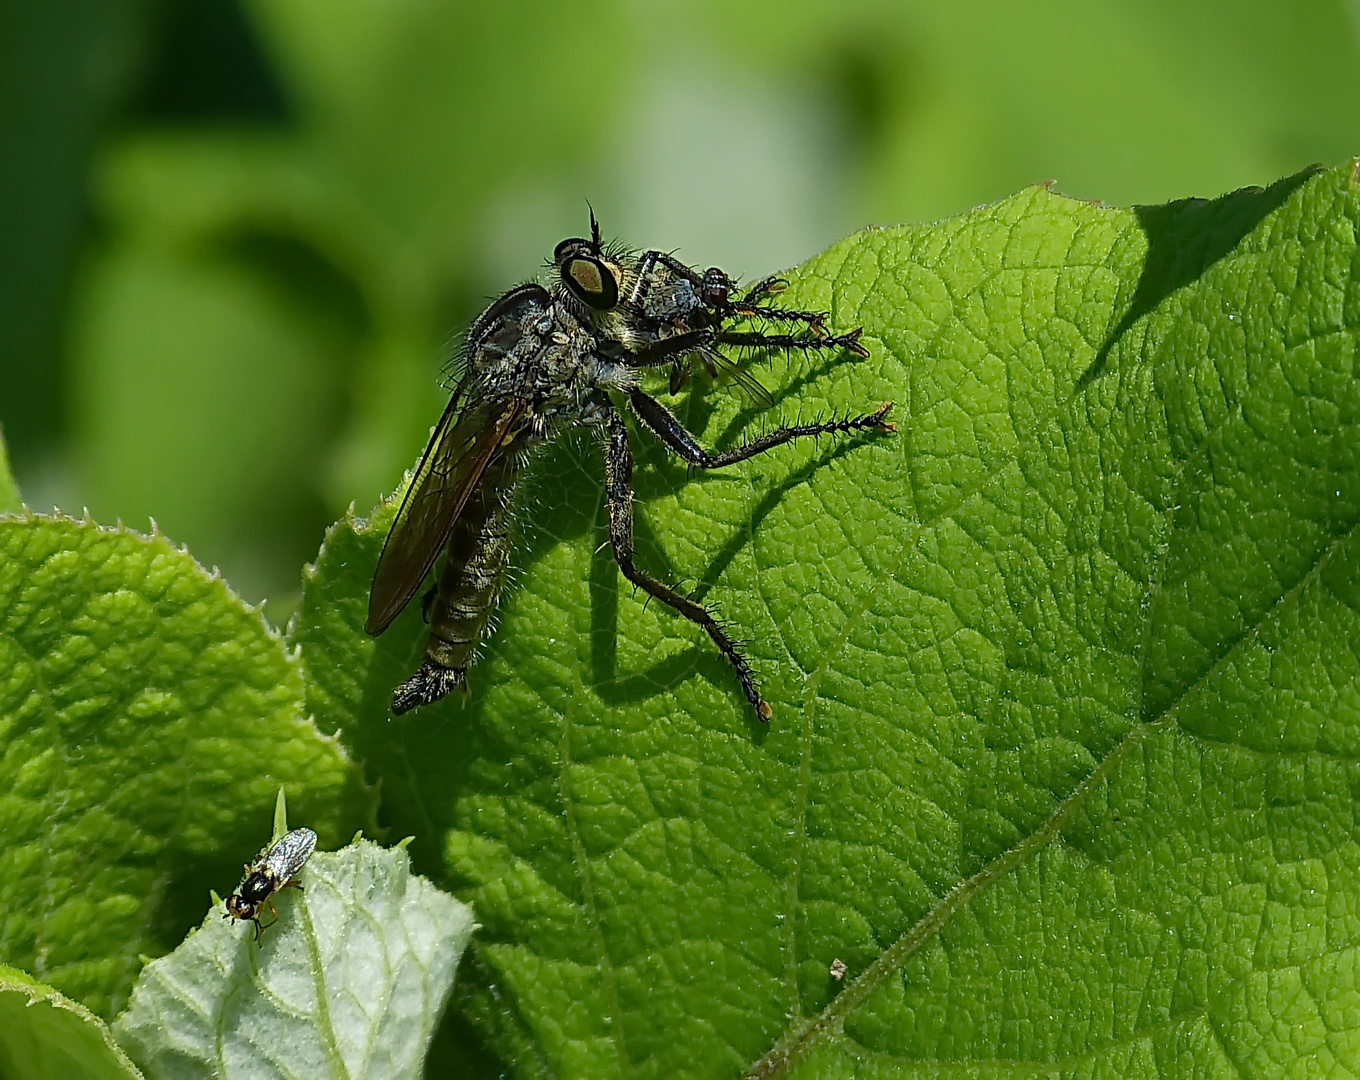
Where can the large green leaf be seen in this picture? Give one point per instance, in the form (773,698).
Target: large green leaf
(1063,763)
(45,1036)
(349,986)
(147,719)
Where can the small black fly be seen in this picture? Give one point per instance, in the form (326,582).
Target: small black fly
(542,359)
(275,868)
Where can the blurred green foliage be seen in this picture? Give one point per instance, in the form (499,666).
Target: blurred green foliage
(238,234)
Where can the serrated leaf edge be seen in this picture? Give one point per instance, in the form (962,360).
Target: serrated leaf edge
(40,993)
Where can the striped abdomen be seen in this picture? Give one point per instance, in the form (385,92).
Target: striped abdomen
(477,554)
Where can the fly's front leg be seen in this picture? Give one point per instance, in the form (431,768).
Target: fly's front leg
(756,340)
(619,493)
(815,320)
(664,350)
(675,435)
(648,262)
(673,350)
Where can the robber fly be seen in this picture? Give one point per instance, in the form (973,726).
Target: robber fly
(544,358)
(275,868)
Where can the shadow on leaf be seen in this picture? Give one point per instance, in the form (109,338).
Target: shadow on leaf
(1185,238)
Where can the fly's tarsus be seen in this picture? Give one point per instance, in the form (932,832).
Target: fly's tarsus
(542,359)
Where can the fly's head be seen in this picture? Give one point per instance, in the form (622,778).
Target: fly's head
(239,906)
(591,280)
(634,300)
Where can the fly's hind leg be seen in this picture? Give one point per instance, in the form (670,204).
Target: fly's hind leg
(619,493)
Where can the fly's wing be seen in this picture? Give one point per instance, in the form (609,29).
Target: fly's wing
(467,437)
(463,444)
(752,387)
(288,856)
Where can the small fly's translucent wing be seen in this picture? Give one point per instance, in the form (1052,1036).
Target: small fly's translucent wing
(459,451)
(282,861)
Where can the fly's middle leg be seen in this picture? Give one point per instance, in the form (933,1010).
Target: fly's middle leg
(675,435)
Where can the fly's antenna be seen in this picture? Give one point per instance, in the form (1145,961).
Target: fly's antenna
(594,229)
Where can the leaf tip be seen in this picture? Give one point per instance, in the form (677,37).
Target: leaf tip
(280,816)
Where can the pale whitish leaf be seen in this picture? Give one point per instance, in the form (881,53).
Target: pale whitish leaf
(350,983)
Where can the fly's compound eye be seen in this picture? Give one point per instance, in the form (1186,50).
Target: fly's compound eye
(239,908)
(716,284)
(591,282)
(575,245)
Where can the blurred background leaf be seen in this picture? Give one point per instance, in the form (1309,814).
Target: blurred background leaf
(10,500)
(238,234)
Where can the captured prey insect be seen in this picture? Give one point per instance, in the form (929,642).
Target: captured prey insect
(541,359)
(275,868)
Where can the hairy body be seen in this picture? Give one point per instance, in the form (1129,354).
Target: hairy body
(541,359)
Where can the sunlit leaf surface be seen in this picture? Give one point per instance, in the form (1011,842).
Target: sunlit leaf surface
(1065,675)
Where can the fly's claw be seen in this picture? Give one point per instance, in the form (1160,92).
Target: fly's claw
(770,286)
(850,342)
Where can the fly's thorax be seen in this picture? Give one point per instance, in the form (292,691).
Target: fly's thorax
(566,371)
(668,297)
(257,887)
(603,373)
